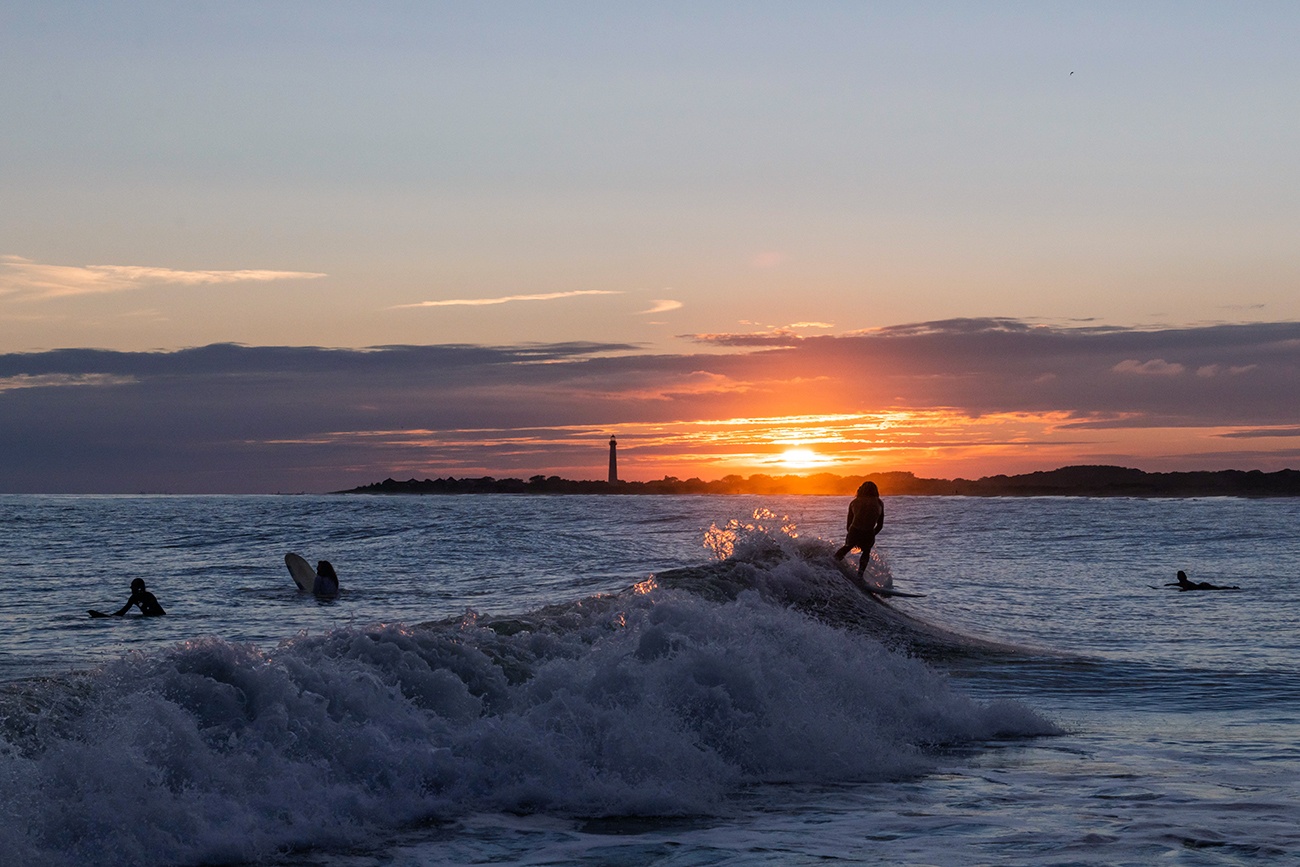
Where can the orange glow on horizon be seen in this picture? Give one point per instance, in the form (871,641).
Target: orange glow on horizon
(803,459)
(933,443)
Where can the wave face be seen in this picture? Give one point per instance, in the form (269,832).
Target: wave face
(665,699)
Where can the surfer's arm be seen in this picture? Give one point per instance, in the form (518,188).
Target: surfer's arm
(880,520)
(134,600)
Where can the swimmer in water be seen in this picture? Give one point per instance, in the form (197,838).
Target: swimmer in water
(148,603)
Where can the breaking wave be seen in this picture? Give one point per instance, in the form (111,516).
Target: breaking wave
(764,666)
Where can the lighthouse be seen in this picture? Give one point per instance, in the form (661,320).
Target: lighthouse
(613,461)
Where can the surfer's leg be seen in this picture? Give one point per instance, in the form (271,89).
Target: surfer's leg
(866,558)
(839,555)
(866,543)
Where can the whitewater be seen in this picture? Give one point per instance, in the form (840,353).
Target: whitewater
(529,679)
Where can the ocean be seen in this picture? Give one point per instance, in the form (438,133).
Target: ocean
(659,680)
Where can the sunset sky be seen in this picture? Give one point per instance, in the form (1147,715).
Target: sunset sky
(284,246)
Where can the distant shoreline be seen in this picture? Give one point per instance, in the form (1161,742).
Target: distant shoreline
(1074,481)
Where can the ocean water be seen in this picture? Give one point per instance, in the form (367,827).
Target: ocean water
(648,680)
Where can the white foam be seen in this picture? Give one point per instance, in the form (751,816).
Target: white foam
(647,703)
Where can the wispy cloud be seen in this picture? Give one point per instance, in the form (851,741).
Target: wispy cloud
(1154,367)
(505,299)
(767,339)
(1262,433)
(1210,370)
(36,280)
(769,336)
(662,306)
(62,380)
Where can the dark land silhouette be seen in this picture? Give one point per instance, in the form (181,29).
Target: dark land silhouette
(1078,481)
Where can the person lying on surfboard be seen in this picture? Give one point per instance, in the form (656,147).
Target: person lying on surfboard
(148,603)
(866,518)
(1183,583)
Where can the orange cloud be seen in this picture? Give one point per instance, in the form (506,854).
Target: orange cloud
(662,306)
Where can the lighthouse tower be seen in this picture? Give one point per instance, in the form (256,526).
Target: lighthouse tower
(613,461)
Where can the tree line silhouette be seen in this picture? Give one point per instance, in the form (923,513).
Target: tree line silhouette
(1088,481)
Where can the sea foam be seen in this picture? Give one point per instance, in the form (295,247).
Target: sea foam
(665,699)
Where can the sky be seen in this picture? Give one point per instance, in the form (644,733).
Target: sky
(302,246)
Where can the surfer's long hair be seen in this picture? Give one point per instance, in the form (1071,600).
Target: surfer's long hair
(868,489)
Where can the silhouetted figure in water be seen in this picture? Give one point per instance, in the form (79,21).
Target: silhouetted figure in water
(323,580)
(866,518)
(148,603)
(327,580)
(1183,583)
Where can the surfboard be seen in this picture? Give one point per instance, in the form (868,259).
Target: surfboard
(872,589)
(323,582)
(886,591)
(303,575)
(94,613)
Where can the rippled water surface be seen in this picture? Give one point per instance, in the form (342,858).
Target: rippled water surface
(489,688)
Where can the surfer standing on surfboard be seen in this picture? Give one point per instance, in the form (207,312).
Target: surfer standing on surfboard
(866,518)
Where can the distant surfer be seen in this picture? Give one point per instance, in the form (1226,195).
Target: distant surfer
(1184,583)
(322,581)
(147,602)
(327,580)
(866,518)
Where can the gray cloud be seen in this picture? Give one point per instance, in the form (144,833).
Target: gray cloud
(1154,367)
(1262,433)
(238,418)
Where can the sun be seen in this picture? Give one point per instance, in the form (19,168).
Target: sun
(802,459)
